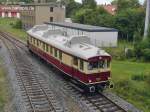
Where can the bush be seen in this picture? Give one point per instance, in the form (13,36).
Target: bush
(129,53)
(124,84)
(146,54)
(142,50)
(18,24)
(139,77)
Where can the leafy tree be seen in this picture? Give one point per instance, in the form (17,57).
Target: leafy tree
(89,4)
(128,21)
(27,1)
(71,7)
(98,16)
(125,4)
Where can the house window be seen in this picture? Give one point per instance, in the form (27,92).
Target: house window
(51,19)
(51,9)
(75,61)
(81,64)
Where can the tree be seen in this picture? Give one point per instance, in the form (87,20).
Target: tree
(98,16)
(125,4)
(71,7)
(128,21)
(89,4)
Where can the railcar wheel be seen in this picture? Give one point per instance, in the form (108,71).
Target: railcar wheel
(92,89)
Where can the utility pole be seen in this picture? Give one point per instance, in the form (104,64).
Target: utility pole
(147,18)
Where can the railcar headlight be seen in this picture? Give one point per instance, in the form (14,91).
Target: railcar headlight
(109,78)
(90,81)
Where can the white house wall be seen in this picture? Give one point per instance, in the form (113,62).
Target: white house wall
(101,39)
(104,39)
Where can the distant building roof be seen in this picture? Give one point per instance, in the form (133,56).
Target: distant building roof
(43,4)
(9,7)
(110,8)
(83,27)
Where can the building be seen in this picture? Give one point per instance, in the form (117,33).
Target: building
(11,11)
(99,36)
(37,13)
(40,1)
(110,8)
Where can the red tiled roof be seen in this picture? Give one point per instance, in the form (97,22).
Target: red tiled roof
(110,8)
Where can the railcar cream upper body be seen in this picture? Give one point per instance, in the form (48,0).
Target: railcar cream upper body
(78,46)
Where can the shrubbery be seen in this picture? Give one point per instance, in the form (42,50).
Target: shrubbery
(18,24)
(139,77)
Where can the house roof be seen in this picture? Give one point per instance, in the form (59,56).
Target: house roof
(83,27)
(110,8)
(43,4)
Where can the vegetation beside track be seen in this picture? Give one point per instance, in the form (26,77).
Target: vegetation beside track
(3,88)
(7,24)
(132,82)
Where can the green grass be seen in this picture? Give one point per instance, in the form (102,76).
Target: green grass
(135,91)
(6,24)
(3,88)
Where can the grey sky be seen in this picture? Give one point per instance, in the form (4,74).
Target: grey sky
(105,1)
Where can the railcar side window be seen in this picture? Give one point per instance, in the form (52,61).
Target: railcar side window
(46,47)
(81,64)
(75,61)
(51,50)
(55,52)
(31,39)
(43,45)
(60,55)
(37,42)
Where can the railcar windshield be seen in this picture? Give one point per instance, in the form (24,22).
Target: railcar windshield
(102,64)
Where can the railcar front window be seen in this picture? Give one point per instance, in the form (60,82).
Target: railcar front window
(108,64)
(93,65)
(98,64)
(101,64)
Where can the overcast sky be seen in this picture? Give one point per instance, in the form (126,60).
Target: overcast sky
(105,1)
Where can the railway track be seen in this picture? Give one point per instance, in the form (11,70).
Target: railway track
(39,97)
(36,93)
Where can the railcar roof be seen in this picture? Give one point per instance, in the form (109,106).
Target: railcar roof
(83,27)
(76,45)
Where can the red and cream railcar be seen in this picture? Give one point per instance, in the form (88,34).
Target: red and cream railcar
(73,55)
